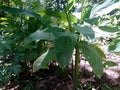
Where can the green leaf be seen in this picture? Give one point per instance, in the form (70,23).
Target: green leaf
(61,16)
(93,21)
(19,11)
(109,29)
(50,33)
(42,61)
(18,2)
(92,56)
(39,35)
(87,31)
(109,64)
(104,8)
(54,30)
(102,54)
(64,47)
(70,5)
(115,46)
(68,34)
(86,13)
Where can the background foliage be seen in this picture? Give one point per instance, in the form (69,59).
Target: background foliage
(33,33)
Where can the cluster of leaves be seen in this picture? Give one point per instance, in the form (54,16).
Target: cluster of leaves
(14,54)
(33,31)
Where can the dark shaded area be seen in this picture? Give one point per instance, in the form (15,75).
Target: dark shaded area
(55,78)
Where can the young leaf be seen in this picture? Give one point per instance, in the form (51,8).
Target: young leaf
(109,29)
(19,11)
(92,56)
(109,64)
(42,61)
(86,13)
(86,31)
(70,5)
(64,47)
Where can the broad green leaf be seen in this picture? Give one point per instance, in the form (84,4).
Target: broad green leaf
(87,31)
(50,33)
(39,35)
(115,46)
(42,61)
(19,11)
(68,34)
(64,47)
(61,16)
(109,64)
(58,32)
(70,5)
(54,30)
(109,29)
(102,54)
(92,56)
(106,7)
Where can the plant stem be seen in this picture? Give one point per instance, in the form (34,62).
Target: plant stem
(77,54)
(77,60)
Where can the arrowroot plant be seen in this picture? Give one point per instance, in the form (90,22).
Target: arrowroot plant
(55,33)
